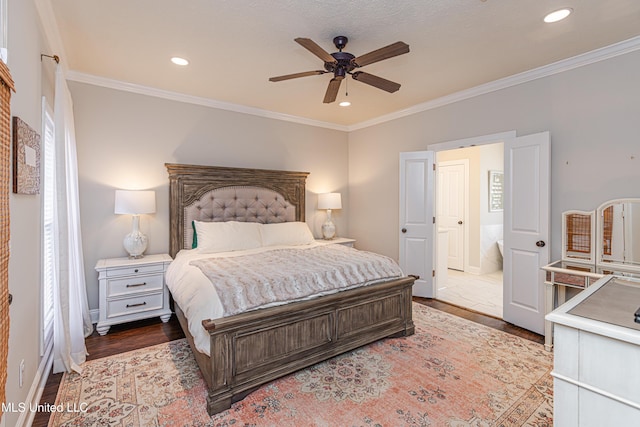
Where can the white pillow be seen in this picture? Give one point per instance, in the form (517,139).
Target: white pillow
(286,233)
(227,236)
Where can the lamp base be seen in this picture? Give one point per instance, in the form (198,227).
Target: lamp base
(135,242)
(328,230)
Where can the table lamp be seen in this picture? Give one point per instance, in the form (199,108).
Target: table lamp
(135,203)
(329,201)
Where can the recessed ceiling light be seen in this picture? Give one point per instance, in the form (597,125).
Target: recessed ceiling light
(558,15)
(179,61)
(344,104)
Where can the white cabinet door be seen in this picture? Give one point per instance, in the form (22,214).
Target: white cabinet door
(417,219)
(526,229)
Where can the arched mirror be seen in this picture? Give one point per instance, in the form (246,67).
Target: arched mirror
(619,233)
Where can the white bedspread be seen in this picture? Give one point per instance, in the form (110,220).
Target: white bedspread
(197,297)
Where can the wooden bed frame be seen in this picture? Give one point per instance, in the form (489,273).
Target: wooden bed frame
(256,347)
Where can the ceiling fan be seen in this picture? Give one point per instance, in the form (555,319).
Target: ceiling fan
(342,63)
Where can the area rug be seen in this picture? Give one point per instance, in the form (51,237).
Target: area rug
(452,372)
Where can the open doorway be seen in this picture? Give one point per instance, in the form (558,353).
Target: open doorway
(525,206)
(469,227)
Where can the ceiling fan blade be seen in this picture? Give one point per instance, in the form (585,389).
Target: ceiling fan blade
(332,90)
(395,49)
(296,75)
(312,47)
(376,81)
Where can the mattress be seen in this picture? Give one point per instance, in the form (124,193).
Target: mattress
(198,298)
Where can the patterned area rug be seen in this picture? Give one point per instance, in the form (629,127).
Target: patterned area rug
(452,372)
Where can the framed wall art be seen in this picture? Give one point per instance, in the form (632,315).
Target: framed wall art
(496,191)
(26,158)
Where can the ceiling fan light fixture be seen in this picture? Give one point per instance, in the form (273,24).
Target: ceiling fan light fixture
(342,63)
(345,102)
(179,61)
(558,15)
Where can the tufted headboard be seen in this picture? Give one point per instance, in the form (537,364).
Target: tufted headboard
(214,193)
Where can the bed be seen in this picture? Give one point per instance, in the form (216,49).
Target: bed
(251,348)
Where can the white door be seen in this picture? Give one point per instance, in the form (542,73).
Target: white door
(417,219)
(450,208)
(526,229)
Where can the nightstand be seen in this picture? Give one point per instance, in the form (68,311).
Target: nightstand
(345,241)
(132,289)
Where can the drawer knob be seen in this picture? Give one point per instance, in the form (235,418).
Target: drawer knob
(136,305)
(134,285)
(135,271)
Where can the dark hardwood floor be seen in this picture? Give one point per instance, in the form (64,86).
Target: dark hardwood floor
(135,335)
(474,316)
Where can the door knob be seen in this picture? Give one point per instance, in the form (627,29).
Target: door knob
(459,222)
(540,243)
(404,230)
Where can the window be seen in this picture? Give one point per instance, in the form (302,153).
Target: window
(48,225)
(3,30)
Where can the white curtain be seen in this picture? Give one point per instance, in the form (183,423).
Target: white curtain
(72,322)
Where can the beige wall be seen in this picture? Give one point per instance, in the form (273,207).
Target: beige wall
(591,113)
(125,139)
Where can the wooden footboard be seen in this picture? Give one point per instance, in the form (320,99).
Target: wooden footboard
(253,348)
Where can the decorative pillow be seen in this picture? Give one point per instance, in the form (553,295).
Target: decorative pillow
(286,233)
(215,237)
(194,244)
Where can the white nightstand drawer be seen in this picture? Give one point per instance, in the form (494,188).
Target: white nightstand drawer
(133,285)
(121,307)
(135,270)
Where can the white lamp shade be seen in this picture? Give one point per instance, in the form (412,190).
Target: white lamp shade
(135,202)
(329,201)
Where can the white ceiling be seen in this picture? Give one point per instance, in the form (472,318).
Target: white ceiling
(234,46)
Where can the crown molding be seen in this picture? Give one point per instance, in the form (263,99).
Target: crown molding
(582,60)
(197,100)
(607,52)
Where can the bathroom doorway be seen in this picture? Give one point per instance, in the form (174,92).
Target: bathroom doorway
(469,225)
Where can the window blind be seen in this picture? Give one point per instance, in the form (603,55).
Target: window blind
(48,228)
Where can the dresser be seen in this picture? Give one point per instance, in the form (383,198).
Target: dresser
(132,289)
(596,355)
(594,244)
